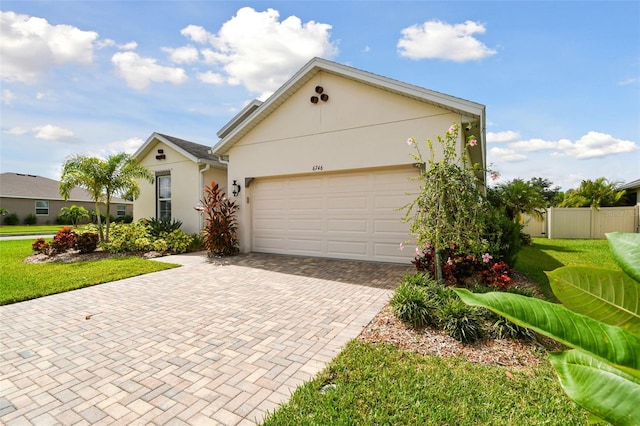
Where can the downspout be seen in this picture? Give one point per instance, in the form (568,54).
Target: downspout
(202,172)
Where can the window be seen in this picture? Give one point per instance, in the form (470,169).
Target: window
(122,211)
(42,208)
(164,196)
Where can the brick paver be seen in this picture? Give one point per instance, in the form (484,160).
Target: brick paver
(211,342)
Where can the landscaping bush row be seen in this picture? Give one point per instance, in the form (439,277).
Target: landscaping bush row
(420,301)
(141,236)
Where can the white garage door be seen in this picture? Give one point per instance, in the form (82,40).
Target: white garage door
(352,215)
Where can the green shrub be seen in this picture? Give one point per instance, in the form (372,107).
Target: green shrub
(12,219)
(502,328)
(412,304)
(128,237)
(460,321)
(158,227)
(124,219)
(177,241)
(63,220)
(503,236)
(31,219)
(160,245)
(197,243)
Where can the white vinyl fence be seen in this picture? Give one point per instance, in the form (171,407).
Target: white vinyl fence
(584,222)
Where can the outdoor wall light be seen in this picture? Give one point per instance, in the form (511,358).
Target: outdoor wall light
(236,188)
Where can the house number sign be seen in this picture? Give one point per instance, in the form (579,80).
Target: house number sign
(317,168)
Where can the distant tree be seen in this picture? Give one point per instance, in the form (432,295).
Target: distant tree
(103,179)
(518,197)
(594,193)
(3,211)
(552,194)
(74,214)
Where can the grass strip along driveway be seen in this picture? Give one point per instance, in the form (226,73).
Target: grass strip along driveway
(21,281)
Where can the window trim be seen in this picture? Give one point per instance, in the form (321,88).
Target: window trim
(159,177)
(121,210)
(41,208)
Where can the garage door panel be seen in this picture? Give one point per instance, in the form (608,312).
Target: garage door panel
(389,226)
(348,248)
(270,224)
(306,246)
(390,202)
(268,243)
(349,215)
(305,224)
(348,203)
(347,225)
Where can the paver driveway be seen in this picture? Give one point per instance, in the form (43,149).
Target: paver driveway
(207,343)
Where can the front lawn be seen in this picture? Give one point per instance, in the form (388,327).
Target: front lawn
(6,230)
(547,255)
(21,281)
(376,384)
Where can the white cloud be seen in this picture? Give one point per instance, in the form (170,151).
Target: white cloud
(258,50)
(437,39)
(591,145)
(502,137)
(196,33)
(140,72)
(101,44)
(628,81)
(17,131)
(52,133)
(30,46)
(534,145)
(211,77)
(40,96)
(182,55)
(505,155)
(130,146)
(595,145)
(7,96)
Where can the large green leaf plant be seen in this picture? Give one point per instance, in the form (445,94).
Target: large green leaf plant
(599,319)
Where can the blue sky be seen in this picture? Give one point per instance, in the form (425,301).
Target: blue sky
(561,80)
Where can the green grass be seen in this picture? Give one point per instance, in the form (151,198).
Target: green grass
(379,384)
(547,255)
(21,281)
(6,230)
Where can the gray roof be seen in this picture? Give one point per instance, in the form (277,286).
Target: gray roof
(198,151)
(20,185)
(199,154)
(631,185)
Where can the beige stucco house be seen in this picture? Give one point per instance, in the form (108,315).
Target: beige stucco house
(26,194)
(324,165)
(182,170)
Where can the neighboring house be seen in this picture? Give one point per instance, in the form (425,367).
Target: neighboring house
(324,167)
(25,194)
(633,191)
(182,170)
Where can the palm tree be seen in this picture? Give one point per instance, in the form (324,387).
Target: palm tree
(74,214)
(103,179)
(518,197)
(594,193)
